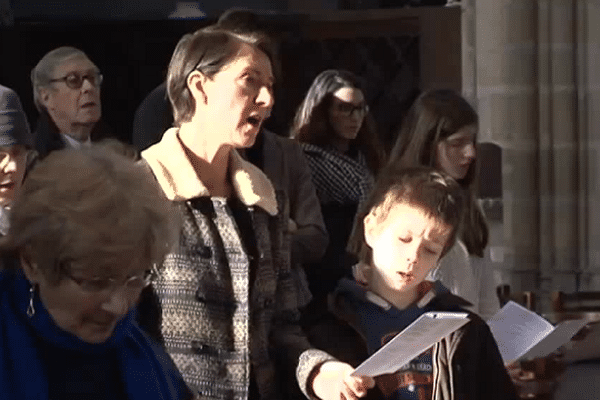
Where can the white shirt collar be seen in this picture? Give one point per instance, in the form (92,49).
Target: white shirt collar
(74,143)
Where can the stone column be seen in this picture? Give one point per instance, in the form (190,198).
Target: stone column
(535,77)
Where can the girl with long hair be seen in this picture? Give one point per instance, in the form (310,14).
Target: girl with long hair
(440,130)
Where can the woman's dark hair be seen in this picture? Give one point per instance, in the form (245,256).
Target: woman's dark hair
(311,123)
(434,116)
(207,50)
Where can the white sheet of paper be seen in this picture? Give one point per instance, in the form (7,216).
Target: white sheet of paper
(563,332)
(516,329)
(412,341)
(520,332)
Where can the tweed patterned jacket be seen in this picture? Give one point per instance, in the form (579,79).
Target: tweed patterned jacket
(222,311)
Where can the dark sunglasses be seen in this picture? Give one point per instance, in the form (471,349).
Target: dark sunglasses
(74,80)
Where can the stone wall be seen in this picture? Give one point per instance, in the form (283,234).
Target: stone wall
(531,67)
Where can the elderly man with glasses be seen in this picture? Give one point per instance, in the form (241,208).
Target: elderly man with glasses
(66,91)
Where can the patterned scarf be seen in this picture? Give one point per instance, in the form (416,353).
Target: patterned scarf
(338,178)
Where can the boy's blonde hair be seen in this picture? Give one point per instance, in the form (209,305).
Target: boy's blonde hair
(435,192)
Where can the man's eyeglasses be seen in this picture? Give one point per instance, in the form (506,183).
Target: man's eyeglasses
(74,80)
(348,109)
(99,285)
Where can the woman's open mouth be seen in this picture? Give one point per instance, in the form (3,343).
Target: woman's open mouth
(7,186)
(254,120)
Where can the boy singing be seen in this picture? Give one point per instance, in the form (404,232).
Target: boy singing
(409,222)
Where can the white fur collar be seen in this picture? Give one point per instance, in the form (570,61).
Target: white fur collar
(179,180)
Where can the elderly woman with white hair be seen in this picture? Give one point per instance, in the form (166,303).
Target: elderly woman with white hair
(85,229)
(66,91)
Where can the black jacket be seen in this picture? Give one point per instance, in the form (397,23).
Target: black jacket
(477,371)
(47,138)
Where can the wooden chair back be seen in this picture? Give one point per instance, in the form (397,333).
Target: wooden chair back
(525,298)
(575,302)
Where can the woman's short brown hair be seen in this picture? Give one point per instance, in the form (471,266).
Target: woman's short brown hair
(92,206)
(207,50)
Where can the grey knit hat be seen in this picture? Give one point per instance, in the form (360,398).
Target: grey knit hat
(14,128)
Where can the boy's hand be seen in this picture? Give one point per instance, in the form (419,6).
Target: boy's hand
(334,382)
(536,378)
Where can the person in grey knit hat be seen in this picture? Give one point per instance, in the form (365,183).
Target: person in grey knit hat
(16,143)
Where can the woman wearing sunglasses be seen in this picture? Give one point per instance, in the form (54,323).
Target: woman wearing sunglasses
(86,228)
(339,139)
(66,91)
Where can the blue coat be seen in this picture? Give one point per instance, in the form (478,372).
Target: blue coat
(147,371)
